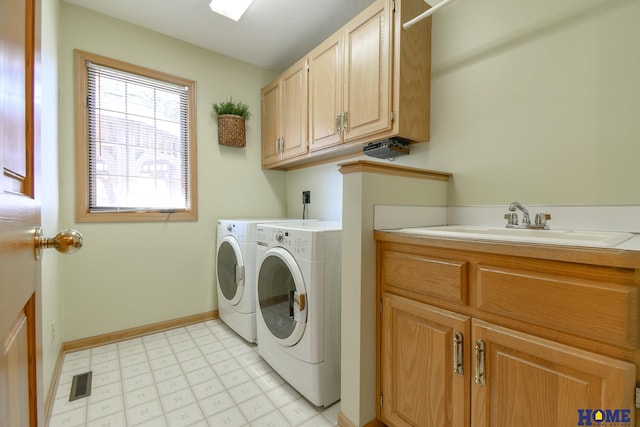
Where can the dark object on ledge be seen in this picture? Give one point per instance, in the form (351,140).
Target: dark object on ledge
(387,149)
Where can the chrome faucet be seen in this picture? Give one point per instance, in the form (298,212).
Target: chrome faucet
(512,218)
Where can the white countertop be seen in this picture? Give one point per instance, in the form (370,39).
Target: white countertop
(554,237)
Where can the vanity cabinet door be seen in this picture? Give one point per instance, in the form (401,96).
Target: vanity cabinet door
(526,381)
(418,384)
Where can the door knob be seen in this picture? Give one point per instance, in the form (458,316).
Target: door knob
(66,242)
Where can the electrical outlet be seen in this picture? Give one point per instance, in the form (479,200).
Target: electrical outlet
(306,197)
(53,331)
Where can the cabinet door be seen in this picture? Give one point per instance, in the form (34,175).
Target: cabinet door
(325,94)
(367,72)
(270,123)
(294,110)
(532,382)
(418,383)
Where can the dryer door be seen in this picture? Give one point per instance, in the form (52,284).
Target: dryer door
(230,269)
(282,297)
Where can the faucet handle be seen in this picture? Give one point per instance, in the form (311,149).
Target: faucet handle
(511,217)
(542,218)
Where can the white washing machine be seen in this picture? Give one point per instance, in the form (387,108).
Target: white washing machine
(236,274)
(298,310)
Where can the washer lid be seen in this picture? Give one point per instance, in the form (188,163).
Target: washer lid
(230,270)
(282,296)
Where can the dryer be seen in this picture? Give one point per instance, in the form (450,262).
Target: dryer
(298,305)
(235,273)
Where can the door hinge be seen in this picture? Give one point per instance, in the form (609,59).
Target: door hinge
(393,116)
(394,6)
(638,396)
(381,306)
(381,399)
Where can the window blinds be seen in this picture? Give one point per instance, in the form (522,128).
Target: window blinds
(138,142)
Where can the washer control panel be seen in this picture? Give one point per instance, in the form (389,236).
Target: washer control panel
(296,242)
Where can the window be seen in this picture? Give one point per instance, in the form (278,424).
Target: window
(135,140)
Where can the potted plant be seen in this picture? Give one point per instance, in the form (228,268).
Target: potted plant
(231,122)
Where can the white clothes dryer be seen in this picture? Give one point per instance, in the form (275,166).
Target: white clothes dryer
(235,273)
(298,305)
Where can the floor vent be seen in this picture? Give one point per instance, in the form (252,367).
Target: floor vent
(80,386)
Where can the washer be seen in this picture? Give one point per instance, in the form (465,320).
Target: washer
(235,273)
(298,309)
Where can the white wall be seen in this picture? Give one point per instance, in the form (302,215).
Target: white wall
(325,183)
(133,274)
(536,101)
(362,192)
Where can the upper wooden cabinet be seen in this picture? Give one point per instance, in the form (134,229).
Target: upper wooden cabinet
(325,94)
(284,115)
(367,82)
(349,75)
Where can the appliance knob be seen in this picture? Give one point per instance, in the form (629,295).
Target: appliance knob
(279,236)
(229,227)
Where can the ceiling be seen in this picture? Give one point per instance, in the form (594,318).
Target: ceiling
(272,34)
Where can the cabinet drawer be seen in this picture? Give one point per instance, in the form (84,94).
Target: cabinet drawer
(599,310)
(440,278)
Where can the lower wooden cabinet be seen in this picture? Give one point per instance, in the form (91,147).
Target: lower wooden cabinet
(530,382)
(419,385)
(441,368)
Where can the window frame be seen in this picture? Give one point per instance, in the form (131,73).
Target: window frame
(83,212)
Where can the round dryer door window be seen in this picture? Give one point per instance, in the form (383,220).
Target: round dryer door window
(230,268)
(282,297)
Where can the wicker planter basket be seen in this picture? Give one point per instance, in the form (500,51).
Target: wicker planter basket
(231,130)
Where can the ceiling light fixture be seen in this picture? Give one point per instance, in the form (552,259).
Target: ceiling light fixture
(232,9)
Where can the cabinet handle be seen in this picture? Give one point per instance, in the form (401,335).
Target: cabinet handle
(458,355)
(281,146)
(345,122)
(338,124)
(480,363)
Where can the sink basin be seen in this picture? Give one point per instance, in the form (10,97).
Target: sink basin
(550,237)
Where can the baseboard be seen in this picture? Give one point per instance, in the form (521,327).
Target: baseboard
(344,421)
(139,331)
(53,387)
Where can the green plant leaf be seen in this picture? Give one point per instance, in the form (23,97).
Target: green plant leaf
(230,107)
